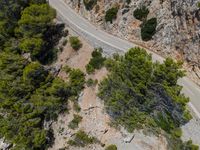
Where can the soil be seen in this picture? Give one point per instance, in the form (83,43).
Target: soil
(96,121)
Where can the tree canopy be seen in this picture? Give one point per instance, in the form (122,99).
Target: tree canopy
(139,93)
(35,19)
(30,95)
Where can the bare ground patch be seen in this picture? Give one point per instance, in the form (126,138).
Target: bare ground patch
(95,120)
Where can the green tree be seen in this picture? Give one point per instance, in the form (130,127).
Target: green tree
(141,13)
(148,29)
(77,80)
(96,62)
(34,74)
(75,43)
(139,93)
(111,14)
(32,45)
(35,20)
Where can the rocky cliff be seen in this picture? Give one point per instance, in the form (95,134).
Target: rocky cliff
(177,33)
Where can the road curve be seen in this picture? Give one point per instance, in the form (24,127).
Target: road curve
(112,44)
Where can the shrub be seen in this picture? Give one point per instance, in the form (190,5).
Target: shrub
(89,4)
(81,139)
(148,29)
(75,43)
(96,62)
(67,69)
(111,147)
(34,74)
(91,82)
(198,4)
(90,69)
(111,14)
(76,80)
(141,13)
(75,122)
(76,106)
(177,132)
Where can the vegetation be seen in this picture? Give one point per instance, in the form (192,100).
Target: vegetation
(77,80)
(139,93)
(81,139)
(76,107)
(75,43)
(111,14)
(148,29)
(33,46)
(29,94)
(111,147)
(67,69)
(75,122)
(91,82)
(89,4)
(198,4)
(141,13)
(35,20)
(96,62)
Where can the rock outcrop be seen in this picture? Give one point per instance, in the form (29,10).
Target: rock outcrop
(177,34)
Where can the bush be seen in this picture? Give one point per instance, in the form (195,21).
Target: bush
(75,122)
(141,13)
(198,4)
(89,4)
(34,74)
(177,132)
(96,62)
(81,139)
(148,29)
(76,80)
(75,43)
(91,82)
(111,14)
(76,107)
(111,147)
(67,69)
(90,69)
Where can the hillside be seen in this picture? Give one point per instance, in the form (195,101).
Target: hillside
(177,32)
(58,92)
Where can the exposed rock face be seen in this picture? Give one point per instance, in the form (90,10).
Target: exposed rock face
(178,29)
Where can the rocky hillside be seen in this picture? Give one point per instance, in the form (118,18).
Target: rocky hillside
(177,33)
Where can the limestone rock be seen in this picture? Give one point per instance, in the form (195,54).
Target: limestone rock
(178,29)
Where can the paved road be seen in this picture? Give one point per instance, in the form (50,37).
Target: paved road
(112,44)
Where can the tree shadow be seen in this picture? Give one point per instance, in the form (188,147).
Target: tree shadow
(51,38)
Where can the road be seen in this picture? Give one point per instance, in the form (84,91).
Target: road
(112,44)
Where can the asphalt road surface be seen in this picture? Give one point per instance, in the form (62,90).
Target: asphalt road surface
(83,27)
